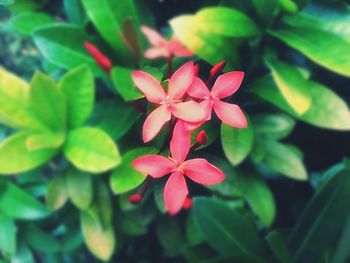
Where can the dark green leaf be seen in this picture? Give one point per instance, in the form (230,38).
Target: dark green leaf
(115,117)
(169,234)
(75,11)
(275,126)
(282,159)
(123,83)
(40,240)
(258,196)
(279,247)
(237,143)
(318,228)
(223,228)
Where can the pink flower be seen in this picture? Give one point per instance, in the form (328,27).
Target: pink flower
(170,103)
(162,47)
(198,170)
(224,86)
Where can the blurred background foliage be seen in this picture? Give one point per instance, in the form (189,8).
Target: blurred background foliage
(286,198)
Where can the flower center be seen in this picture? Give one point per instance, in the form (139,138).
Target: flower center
(179,166)
(167,102)
(212,98)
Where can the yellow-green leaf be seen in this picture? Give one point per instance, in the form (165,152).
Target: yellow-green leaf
(91,150)
(16,158)
(80,188)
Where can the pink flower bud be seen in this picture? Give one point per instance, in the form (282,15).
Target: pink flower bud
(202,137)
(187,203)
(196,69)
(135,199)
(103,61)
(217,69)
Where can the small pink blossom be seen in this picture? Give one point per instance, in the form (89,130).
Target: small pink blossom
(170,103)
(198,170)
(224,86)
(161,47)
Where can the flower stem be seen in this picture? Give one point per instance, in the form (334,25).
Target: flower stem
(170,66)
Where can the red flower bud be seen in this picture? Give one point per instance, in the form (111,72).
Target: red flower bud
(215,71)
(202,137)
(196,69)
(187,203)
(135,199)
(103,61)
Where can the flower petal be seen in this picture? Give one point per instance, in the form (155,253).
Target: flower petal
(153,165)
(198,89)
(181,80)
(201,171)
(230,114)
(175,192)
(154,122)
(149,86)
(207,106)
(227,84)
(180,142)
(156,52)
(153,36)
(178,49)
(189,111)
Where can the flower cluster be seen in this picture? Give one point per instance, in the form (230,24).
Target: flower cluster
(188,103)
(185,101)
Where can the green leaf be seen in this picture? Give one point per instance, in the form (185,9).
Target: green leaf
(169,234)
(282,159)
(211,48)
(258,196)
(331,16)
(91,150)
(123,83)
(226,22)
(275,126)
(23,254)
(237,143)
(75,11)
(26,23)
(48,102)
(328,110)
(319,227)
(293,86)
(57,194)
(324,48)
(80,188)
(278,245)
(114,116)
(78,88)
(132,223)
(16,158)
(39,141)
(223,229)
(20,6)
(14,106)
(125,178)
(8,230)
(101,208)
(7,2)
(265,10)
(100,241)
(108,17)
(63,46)
(210,129)
(17,204)
(288,6)
(40,240)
